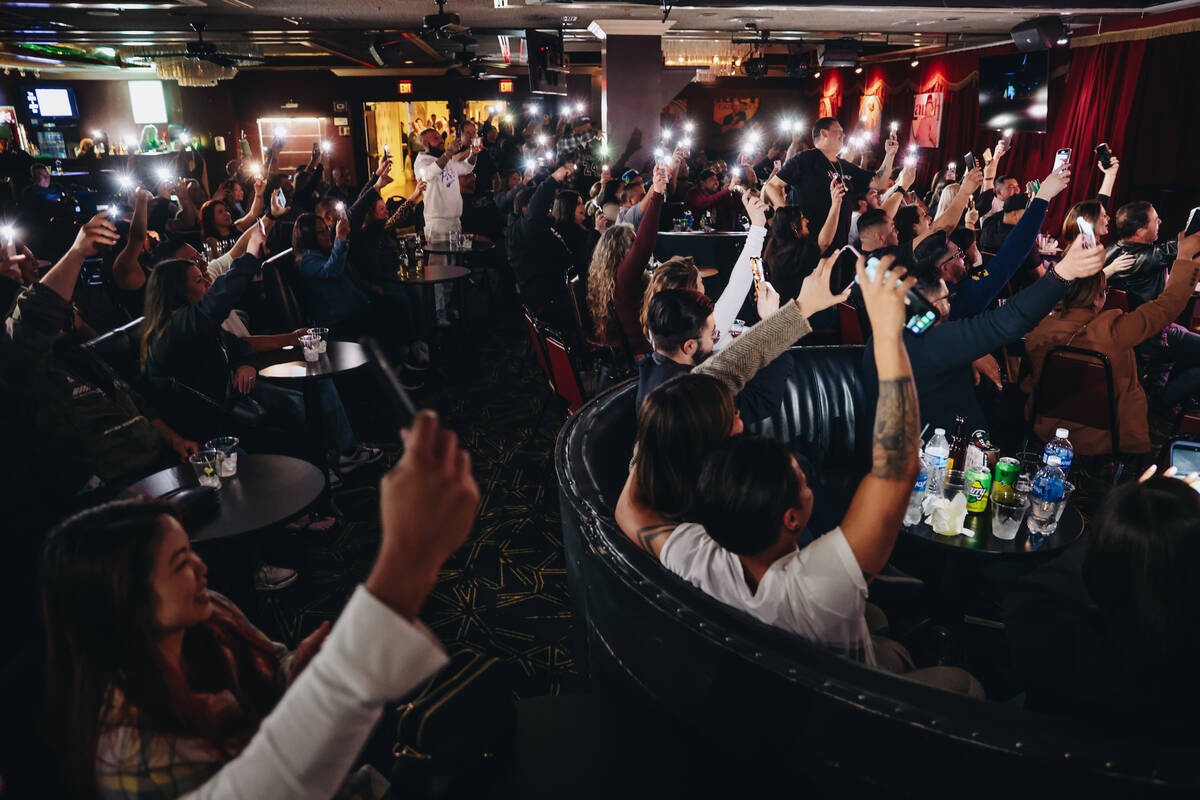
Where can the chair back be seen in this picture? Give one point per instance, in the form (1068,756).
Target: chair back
(852,332)
(119,348)
(1118,299)
(564,371)
(538,342)
(281,300)
(577,292)
(1076,385)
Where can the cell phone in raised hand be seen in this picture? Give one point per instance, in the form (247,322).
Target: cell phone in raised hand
(921,313)
(1086,231)
(757,272)
(969,162)
(1185,457)
(1193,222)
(387,151)
(280,198)
(390,381)
(1104,155)
(1062,157)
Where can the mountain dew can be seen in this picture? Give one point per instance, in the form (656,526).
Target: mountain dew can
(977,483)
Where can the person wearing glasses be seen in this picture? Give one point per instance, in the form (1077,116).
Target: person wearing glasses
(942,356)
(974,293)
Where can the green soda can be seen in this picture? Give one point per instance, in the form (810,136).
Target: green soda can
(977,482)
(1007,470)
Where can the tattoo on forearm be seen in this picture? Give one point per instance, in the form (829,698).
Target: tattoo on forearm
(896,428)
(645,536)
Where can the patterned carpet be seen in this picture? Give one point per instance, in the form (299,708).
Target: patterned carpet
(504,593)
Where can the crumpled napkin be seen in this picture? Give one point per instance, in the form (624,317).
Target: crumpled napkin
(947,516)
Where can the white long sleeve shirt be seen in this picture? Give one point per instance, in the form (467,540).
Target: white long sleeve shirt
(306,746)
(740,282)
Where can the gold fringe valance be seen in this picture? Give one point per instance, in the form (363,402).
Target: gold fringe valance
(1139,34)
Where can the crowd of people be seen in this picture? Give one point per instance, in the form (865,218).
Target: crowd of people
(154,679)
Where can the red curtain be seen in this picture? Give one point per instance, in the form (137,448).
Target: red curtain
(1096,107)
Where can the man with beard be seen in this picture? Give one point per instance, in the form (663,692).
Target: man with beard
(441,168)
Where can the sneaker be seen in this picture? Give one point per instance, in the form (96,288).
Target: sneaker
(271,579)
(362,455)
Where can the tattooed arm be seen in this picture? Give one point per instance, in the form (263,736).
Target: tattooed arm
(873,519)
(644,526)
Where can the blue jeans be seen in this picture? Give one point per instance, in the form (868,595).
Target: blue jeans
(286,407)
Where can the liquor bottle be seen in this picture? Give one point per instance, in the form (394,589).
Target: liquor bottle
(958,445)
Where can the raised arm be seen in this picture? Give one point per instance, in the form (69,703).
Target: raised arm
(127,269)
(873,519)
(890,146)
(1149,318)
(948,219)
(335,265)
(63,276)
(991,167)
(742,277)
(775,190)
(228,289)
(828,232)
(741,360)
(1110,177)
(256,207)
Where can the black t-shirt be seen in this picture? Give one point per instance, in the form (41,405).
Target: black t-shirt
(808,173)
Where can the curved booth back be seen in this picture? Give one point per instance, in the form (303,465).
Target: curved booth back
(643,631)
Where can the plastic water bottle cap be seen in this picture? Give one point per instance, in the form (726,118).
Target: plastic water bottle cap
(1062,433)
(939,431)
(1054,461)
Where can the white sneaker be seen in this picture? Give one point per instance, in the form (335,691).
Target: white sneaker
(270,579)
(362,455)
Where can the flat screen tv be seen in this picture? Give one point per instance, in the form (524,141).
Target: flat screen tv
(56,103)
(1014,91)
(547,67)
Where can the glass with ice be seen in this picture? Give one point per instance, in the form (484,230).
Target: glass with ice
(207,464)
(227,445)
(1007,516)
(312,346)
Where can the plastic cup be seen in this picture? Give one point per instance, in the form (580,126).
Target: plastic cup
(207,464)
(737,328)
(323,335)
(312,346)
(1008,516)
(227,445)
(1031,462)
(955,483)
(1068,487)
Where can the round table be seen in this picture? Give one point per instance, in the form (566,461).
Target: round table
(267,490)
(443,248)
(339,357)
(983,543)
(437,273)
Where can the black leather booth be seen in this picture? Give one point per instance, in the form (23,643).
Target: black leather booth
(120,349)
(749,686)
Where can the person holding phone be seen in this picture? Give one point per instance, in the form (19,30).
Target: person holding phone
(440,168)
(808,174)
(1081,320)
(943,355)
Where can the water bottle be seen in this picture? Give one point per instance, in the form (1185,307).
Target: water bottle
(58,166)
(689,219)
(937,456)
(1060,446)
(913,515)
(1047,492)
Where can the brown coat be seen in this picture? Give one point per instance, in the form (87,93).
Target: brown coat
(1114,333)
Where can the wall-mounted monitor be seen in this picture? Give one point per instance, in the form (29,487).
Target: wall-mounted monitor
(148,102)
(49,103)
(547,67)
(1014,91)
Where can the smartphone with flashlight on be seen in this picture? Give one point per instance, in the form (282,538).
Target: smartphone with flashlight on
(1062,157)
(387,151)
(1086,232)
(952,171)
(477,141)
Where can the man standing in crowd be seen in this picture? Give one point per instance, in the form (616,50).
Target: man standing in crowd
(808,174)
(441,168)
(707,195)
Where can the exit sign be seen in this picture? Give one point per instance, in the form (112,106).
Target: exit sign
(405,87)
(506,85)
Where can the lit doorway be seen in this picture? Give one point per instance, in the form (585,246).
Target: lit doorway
(399,124)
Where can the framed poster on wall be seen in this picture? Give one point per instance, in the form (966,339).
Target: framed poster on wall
(927,119)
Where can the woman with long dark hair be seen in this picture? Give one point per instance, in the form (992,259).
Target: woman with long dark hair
(157,686)
(186,356)
(216,225)
(566,221)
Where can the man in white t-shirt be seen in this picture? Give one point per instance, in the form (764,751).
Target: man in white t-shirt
(752,502)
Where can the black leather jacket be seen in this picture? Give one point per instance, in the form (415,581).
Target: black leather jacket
(1148,277)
